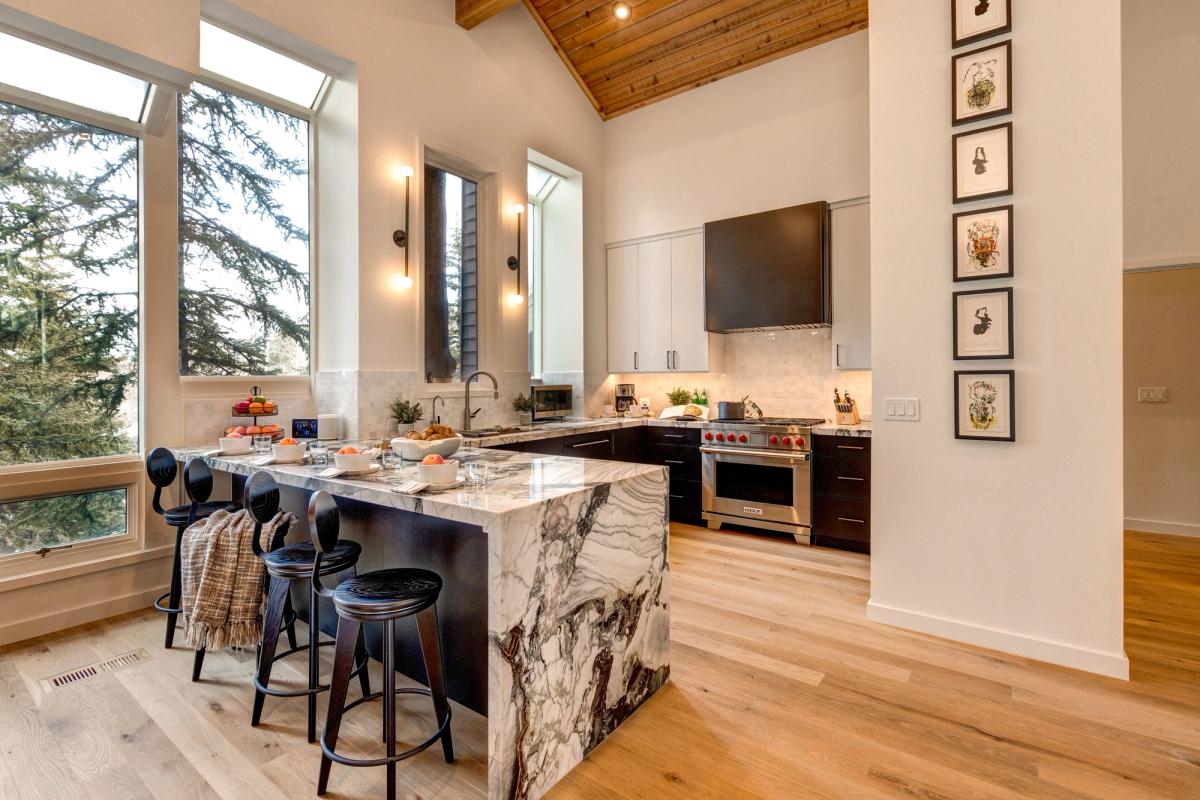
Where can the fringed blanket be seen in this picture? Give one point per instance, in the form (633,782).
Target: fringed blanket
(222,580)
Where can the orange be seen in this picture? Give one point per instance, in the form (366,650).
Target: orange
(348,450)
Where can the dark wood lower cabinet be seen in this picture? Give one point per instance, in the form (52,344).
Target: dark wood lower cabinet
(842,493)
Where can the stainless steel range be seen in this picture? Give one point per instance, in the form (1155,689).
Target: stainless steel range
(758,472)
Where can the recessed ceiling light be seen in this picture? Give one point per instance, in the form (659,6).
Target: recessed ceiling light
(622,11)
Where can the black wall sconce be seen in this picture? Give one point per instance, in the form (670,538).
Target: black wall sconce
(514,262)
(400,235)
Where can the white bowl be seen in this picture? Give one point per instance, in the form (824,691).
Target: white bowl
(288,453)
(240,445)
(352,462)
(438,473)
(415,449)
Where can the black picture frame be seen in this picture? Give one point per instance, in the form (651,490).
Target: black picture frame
(1011,405)
(1006,46)
(957,41)
(957,247)
(1007,127)
(1007,293)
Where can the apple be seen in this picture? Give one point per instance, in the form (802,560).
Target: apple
(288,441)
(234,435)
(433,458)
(253,430)
(348,450)
(240,430)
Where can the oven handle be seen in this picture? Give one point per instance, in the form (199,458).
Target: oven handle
(772,454)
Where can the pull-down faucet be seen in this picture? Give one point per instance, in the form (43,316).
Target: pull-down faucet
(468,414)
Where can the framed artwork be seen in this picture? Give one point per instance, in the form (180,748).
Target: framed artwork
(985,405)
(983,244)
(983,324)
(983,163)
(972,20)
(981,83)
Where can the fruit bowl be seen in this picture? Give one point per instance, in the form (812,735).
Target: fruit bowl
(288,453)
(415,449)
(446,472)
(240,444)
(352,462)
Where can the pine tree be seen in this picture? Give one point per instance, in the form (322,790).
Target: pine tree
(230,163)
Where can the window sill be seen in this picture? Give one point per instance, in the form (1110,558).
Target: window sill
(98,564)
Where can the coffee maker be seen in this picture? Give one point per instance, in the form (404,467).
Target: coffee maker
(624,399)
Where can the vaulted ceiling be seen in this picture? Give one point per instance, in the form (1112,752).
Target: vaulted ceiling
(669,46)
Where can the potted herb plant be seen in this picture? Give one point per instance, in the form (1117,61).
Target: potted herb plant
(406,413)
(679,396)
(524,407)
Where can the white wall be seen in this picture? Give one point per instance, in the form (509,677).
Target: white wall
(1016,546)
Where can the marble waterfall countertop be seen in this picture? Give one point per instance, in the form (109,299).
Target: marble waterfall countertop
(578,595)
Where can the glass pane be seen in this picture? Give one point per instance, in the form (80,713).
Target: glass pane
(755,483)
(451,308)
(68,289)
(48,72)
(27,525)
(243,236)
(540,182)
(258,67)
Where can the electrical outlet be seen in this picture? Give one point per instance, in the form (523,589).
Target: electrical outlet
(1152,394)
(902,409)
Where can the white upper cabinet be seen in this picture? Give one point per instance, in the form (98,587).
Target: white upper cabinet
(656,306)
(850,266)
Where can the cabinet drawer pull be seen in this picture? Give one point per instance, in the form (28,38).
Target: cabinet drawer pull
(675,496)
(852,519)
(635,366)
(672,435)
(848,478)
(671,461)
(850,447)
(589,444)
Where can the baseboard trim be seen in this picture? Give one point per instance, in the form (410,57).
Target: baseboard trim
(1155,526)
(1112,665)
(61,619)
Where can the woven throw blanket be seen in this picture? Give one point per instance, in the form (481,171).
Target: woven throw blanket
(222,580)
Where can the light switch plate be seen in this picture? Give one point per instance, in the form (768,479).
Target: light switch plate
(1152,394)
(902,409)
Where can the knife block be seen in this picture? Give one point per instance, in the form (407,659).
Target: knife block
(846,413)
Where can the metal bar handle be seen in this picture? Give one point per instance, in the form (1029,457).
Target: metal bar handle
(775,454)
(589,444)
(850,447)
(848,478)
(852,519)
(671,461)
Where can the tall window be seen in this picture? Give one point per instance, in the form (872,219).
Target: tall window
(451,256)
(243,237)
(540,183)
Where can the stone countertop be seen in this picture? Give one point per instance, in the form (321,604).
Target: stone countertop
(551,430)
(832,429)
(517,481)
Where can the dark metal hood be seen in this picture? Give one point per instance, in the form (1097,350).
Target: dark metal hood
(768,271)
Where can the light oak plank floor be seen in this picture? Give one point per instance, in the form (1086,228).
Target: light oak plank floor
(780,688)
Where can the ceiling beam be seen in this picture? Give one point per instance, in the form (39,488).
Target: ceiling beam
(469,13)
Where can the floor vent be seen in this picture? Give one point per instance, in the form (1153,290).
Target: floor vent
(73,676)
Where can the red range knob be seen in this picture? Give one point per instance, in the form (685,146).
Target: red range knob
(720,437)
(787,441)
(799,442)
(773,439)
(743,438)
(708,436)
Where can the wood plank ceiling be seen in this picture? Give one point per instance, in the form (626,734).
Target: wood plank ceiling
(670,46)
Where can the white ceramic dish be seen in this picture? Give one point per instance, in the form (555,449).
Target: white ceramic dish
(352,462)
(415,449)
(435,474)
(288,453)
(239,445)
(372,468)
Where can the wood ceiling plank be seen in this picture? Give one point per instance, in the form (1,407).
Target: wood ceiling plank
(695,54)
(576,9)
(725,69)
(469,13)
(600,22)
(648,16)
(587,90)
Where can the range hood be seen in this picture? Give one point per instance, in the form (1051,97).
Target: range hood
(768,271)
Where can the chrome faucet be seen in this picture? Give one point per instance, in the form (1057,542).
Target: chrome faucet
(433,408)
(468,414)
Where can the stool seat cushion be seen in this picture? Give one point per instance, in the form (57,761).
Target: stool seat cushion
(387,593)
(177,517)
(296,560)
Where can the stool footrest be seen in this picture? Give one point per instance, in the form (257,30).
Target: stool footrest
(267,690)
(161,605)
(442,730)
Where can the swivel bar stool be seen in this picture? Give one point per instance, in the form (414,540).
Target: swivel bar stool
(382,596)
(293,562)
(162,468)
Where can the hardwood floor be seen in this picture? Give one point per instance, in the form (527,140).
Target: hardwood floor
(780,688)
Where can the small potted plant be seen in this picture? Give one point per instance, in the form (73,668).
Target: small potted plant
(406,413)
(524,407)
(679,397)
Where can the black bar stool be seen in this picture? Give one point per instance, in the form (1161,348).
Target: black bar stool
(162,468)
(293,562)
(382,596)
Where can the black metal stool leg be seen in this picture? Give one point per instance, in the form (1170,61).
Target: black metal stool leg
(389,702)
(431,651)
(314,660)
(197,664)
(343,662)
(176,597)
(266,654)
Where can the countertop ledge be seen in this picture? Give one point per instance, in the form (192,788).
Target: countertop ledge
(553,430)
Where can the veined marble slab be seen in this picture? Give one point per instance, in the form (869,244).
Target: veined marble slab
(578,596)
(862,429)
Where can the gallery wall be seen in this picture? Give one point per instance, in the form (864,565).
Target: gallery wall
(1010,545)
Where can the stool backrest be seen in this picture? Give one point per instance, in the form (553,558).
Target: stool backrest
(198,481)
(262,501)
(324,525)
(161,469)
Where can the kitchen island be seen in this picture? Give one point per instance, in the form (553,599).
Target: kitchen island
(570,590)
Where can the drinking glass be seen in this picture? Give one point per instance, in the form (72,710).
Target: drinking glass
(478,473)
(318,454)
(262,444)
(391,459)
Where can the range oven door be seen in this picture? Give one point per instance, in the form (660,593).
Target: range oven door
(766,485)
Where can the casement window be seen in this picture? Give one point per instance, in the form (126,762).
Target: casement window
(540,183)
(450,282)
(245,166)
